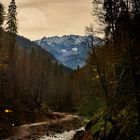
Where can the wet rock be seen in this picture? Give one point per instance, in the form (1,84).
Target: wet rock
(83,135)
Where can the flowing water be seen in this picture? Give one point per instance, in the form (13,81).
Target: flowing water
(63,136)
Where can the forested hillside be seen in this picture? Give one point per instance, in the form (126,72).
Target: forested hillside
(34,77)
(105,91)
(117,66)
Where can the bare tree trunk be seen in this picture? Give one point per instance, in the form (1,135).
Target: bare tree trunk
(103,84)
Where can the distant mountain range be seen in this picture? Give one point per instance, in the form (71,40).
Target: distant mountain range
(70,50)
(28,45)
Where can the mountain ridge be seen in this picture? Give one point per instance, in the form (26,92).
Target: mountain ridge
(29,45)
(70,50)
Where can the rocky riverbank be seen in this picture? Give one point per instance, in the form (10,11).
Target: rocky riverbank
(58,123)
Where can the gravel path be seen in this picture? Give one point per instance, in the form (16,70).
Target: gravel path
(60,123)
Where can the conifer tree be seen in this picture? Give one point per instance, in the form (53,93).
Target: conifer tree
(11,28)
(2,14)
(12,20)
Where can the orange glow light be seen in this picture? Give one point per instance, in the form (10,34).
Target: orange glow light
(8,111)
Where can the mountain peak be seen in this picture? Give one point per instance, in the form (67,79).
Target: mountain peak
(44,38)
(70,50)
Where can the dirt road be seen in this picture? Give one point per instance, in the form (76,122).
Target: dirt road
(58,123)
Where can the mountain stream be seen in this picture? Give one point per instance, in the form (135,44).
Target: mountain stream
(63,136)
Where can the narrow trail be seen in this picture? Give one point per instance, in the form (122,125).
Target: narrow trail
(60,123)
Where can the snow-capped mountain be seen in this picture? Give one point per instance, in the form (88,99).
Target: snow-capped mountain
(70,50)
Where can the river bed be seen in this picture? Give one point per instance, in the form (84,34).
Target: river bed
(63,136)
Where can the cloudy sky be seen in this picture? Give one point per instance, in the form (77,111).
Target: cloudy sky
(38,18)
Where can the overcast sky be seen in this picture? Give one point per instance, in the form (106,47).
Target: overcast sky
(38,18)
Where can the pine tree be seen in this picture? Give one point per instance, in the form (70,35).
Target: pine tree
(136,7)
(2,14)
(11,28)
(12,20)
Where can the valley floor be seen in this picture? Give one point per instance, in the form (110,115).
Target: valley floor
(60,123)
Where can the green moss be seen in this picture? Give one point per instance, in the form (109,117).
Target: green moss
(90,107)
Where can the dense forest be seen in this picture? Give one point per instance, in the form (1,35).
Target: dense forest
(106,90)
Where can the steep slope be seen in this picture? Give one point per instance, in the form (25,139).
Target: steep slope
(29,45)
(70,50)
